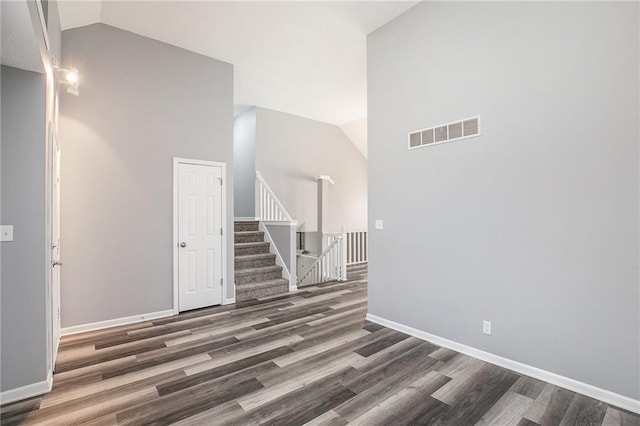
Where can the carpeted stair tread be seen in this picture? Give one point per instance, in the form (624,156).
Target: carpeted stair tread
(259,270)
(254,256)
(252,244)
(248,237)
(246,226)
(245,249)
(241,288)
(256,260)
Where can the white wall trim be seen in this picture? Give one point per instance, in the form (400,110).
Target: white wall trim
(115,322)
(230,301)
(223,219)
(609,397)
(28,391)
(244,219)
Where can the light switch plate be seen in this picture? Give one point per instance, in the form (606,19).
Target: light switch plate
(6,233)
(379,224)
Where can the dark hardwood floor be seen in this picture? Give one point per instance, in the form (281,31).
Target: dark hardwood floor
(303,358)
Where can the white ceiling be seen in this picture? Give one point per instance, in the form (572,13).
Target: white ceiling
(18,46)
(304,58)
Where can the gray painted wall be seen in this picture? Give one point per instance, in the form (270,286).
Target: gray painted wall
(533,225)
(244,162)
(22,314)
(291,151)
(142,103)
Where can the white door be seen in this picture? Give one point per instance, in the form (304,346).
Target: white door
(199,236)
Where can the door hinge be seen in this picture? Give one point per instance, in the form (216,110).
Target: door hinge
(222,281)
(221,230)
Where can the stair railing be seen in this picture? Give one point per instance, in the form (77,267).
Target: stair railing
(268,207)
(331,264)
(357,247)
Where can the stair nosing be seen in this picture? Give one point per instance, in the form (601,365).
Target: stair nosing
(248,232)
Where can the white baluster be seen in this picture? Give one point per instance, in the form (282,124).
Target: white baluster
(365,257)
(332,257)
(352,238)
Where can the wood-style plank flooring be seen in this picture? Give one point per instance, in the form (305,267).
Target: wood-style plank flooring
(308,357)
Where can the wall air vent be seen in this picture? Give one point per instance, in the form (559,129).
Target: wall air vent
(449,132)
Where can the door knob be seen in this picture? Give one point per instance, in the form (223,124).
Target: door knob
(183,244)
(56,263)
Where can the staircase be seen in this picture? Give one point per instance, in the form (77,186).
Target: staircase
(256,272)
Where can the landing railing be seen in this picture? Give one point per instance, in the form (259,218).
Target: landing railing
(268,207)
(357,247)
(331,264)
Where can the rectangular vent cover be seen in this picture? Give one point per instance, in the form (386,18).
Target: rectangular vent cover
(449,132)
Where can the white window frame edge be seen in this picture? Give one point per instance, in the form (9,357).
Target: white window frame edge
(225,279)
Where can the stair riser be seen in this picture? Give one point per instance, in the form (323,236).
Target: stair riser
(245,226)
(254,278)
(263,292)
(240,251)
(255,263)
(251,238)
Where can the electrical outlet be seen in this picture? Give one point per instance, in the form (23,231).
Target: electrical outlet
(6,233)
(379,224)
(486,327)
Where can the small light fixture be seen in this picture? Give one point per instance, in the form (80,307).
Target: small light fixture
(69,78)
(72,76)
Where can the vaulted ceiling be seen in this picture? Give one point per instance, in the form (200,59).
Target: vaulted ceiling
(304,58)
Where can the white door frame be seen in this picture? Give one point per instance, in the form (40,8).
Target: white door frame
(223,166)
(48,259)
(52,318)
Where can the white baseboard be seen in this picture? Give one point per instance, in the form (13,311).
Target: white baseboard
(115,322)
(244,219)
(230,301)
(28,391)
(609,397)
